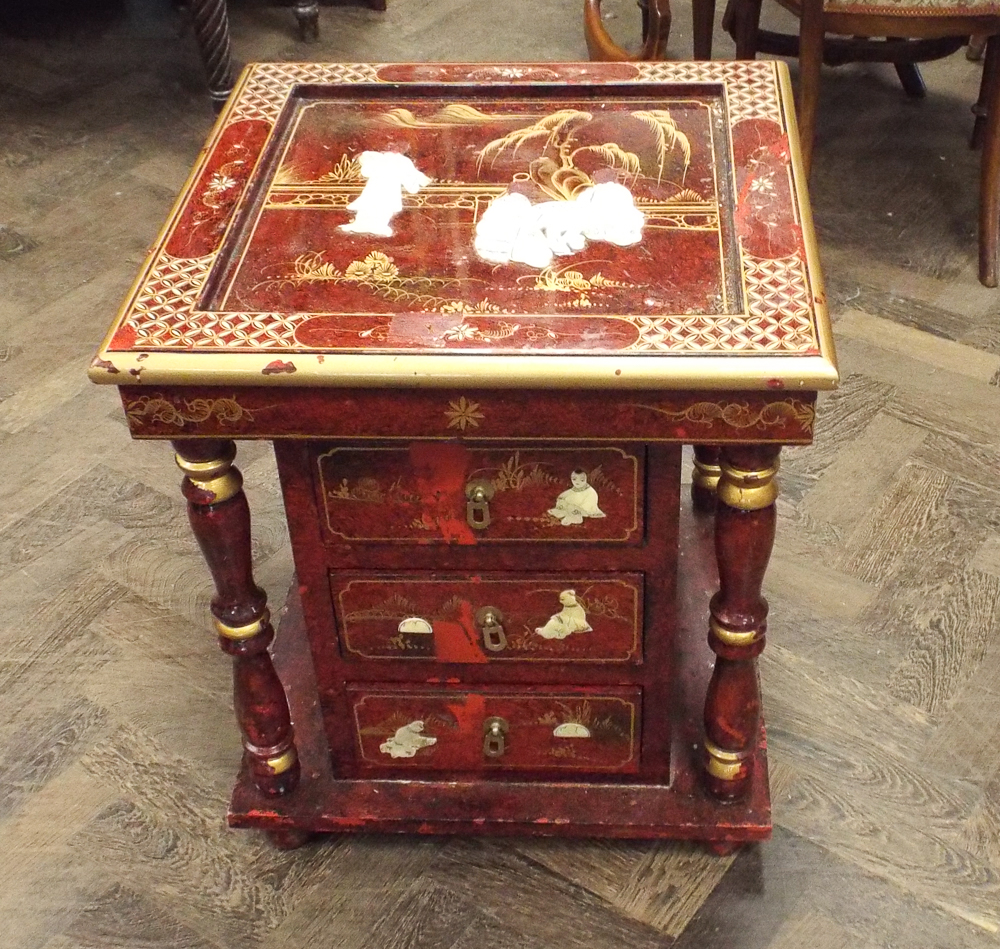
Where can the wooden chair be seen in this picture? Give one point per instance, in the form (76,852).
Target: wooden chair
(902,32)
(655,31)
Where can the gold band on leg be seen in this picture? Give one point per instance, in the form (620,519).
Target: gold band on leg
(216,477)
(706,476)
(732,637)
(748,490)
(239,633)
(722,764)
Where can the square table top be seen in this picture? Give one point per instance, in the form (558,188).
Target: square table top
(601,225)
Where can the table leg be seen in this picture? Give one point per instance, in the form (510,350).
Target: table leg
(211,29)
(220,518)
(744,535)
(705,477)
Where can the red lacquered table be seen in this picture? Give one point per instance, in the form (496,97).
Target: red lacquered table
(478,309)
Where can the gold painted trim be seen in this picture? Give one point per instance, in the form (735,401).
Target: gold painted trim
(440,371)
(222,488)
(241,633)
(814,272)
(729,637)
(202,472)
(706,475)
(283,762)
(748,490)
(722,764)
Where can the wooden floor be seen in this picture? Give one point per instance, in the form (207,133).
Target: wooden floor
(882,673)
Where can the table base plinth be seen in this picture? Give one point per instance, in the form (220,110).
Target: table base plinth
(683,810)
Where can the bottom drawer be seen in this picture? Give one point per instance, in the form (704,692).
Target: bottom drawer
(487,729)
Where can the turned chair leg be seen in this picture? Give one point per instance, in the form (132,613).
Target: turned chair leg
(989,174)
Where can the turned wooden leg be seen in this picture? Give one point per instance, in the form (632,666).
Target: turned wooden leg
(307,13)
(220,519)
(211,29)
(705,477)
(744,535)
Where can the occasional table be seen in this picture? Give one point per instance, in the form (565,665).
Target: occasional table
(478,309)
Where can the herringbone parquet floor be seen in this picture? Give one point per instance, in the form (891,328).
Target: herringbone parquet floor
(882,674)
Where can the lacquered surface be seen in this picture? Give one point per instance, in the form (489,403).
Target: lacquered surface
(255,275)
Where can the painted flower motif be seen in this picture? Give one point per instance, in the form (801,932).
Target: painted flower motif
(463,414)
(763,185)
(460,332)
(376,266)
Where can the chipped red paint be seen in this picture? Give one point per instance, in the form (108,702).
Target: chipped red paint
(277,367)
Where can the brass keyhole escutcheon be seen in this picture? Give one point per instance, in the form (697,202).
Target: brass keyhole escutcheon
(494,737)
(490,622)
(477,506)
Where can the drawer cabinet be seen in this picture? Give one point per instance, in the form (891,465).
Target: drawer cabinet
(567,618)
(499,618)
(497,730)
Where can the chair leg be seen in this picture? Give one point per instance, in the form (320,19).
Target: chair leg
(989,174)
(911,80)
(981,109)
(703,22)
(744,17)
(810,62)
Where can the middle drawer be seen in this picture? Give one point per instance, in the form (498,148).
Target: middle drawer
(542,617)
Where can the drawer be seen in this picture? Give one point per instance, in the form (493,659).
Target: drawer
(446,492)
(498,729)
(569,618)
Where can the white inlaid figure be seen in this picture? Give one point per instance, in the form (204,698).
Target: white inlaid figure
(512,229)
(388,174)
(572,618)
(577,502)
(407,741)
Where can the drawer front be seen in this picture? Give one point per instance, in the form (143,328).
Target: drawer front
(490,619)
(572,730)
(446,492)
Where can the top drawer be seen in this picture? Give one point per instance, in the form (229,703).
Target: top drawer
(445,492)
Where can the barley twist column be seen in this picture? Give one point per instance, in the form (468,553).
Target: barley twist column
(220,518)
(211,30)
(744,535)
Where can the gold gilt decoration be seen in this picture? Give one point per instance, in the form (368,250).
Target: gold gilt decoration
(556,170)
(157,409)
(740,414)
(564,280)
(378,273)
(463,414)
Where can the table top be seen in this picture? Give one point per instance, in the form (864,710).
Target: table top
(603,225)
